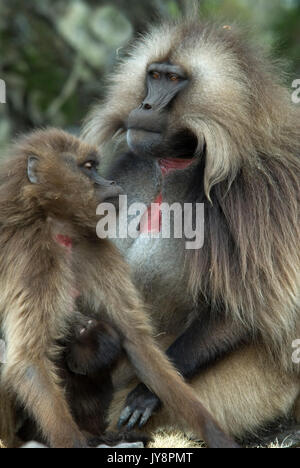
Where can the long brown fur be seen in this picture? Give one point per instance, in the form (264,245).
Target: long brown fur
(238,105)
(7,420)
(85,371)
(39,281)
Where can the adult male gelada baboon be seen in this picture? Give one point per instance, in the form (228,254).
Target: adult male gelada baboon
(207,120)
(51,256)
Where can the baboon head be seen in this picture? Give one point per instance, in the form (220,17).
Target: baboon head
(189,89)
(57,173)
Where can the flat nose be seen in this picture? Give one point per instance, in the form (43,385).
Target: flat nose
(146,106)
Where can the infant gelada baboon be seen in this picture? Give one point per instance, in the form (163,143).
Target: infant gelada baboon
(50,255)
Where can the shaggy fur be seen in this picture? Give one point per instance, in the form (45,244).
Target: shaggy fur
(240,111)
(40,278)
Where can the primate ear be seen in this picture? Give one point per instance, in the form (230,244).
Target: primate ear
(32,163)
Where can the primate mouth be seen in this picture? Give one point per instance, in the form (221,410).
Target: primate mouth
(109,194)
(144,142)
(184,145)
(144,130)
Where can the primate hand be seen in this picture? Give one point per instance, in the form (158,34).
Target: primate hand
(141,403)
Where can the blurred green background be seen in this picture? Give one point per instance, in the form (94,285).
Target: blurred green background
(55,54)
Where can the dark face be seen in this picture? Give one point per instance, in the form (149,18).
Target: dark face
(147,126)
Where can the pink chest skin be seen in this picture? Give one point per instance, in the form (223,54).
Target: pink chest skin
(151,219)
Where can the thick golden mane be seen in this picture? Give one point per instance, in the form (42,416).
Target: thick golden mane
(238,106)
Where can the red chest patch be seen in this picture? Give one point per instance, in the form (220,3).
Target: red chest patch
(65,241)
(151,219)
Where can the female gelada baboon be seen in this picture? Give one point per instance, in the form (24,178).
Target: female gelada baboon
(207,120)
(51,255)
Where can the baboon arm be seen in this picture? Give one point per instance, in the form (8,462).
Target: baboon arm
(199,346)
(36,387)
(126,312)
(7,418)
(202,344)
(31,324)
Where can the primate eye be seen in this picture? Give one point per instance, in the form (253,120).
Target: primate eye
(173,77)
(89,165)
(155,75)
